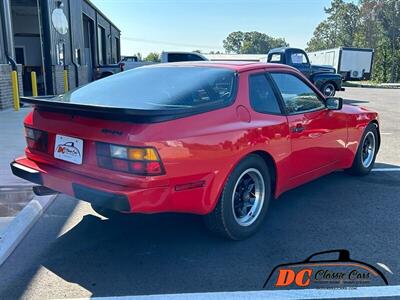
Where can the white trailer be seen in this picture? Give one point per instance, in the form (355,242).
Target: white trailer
(351,63)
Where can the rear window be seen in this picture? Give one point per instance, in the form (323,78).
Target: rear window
(176,57)
(159,88)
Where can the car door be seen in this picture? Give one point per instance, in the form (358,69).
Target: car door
(318,135)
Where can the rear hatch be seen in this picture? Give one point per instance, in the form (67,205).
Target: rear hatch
(120,110)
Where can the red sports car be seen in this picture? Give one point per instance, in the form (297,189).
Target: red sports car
(215,139)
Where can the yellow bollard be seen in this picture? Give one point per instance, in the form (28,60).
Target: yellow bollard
(66,81)
(34,84)
(14,81)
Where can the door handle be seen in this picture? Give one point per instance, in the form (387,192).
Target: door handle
(298,128)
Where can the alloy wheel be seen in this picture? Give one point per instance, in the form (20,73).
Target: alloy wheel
(368,149)
(248,197)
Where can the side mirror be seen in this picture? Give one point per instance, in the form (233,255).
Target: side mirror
(334,103)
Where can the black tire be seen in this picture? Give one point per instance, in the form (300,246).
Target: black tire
(359,168)
(328,89)
(108,213)
(223,219)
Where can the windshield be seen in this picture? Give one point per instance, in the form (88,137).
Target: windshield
(155,88)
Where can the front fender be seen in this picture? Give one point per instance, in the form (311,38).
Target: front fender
(319,79)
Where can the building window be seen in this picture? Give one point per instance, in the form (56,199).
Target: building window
(118,49)
(101,45)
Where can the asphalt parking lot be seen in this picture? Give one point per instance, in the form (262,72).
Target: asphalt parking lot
(72,252)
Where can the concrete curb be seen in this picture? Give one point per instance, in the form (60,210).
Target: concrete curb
(21,225)
(372,86)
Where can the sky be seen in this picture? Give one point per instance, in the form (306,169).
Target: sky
(187,25)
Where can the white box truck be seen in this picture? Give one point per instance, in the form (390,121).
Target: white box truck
(351,63)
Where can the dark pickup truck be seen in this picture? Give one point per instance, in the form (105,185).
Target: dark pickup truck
(323,77)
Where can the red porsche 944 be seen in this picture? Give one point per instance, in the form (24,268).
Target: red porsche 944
(215,139)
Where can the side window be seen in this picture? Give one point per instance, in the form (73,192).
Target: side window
(262,97)
(275,58)
(297,95)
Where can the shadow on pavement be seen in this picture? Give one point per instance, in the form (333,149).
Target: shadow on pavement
(173,253)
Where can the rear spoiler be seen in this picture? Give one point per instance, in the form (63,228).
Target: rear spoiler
(47,103)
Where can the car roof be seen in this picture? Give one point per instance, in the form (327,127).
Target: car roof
(239,66)
(283,49)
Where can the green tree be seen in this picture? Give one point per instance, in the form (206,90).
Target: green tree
(322,38)
(370,24)
(252,42)
(153,57)
(380,30)
(387,13)
(233,42)
(339,29)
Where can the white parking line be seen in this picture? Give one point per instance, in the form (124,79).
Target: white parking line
(386,170)
(386,133)
(357,292)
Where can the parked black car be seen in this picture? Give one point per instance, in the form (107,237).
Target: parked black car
(323,77)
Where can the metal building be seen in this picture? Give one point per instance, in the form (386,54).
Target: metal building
(50,36)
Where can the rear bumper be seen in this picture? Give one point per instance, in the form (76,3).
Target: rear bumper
(118,202)
(171,196)
(113,196)
(115,201)
(26,173)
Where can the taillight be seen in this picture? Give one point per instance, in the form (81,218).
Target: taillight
(122,66)
(36,139)
(135,160)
